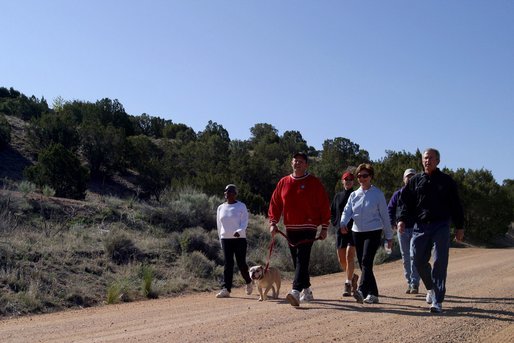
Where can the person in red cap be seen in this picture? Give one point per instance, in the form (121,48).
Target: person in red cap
(344,242)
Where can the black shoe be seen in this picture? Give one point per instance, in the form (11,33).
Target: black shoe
(414,290)
(347,290)
(359,297)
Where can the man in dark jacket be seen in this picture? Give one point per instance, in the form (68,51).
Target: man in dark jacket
(432,199)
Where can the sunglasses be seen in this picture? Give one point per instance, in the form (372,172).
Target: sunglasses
(362,176)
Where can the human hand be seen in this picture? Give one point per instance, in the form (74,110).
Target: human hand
(401,227)
(459,235)
(343,229)
(273,229)
(323,234)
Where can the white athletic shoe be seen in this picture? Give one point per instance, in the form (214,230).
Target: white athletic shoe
(306,295)
(430,296)
(436,308)
(249,288)
(293,297)
(224,293)
(371,299)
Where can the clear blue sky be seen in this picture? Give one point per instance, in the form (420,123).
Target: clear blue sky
(388,75)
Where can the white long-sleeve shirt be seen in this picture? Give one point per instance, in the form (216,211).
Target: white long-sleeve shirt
(232,218)
(369,212)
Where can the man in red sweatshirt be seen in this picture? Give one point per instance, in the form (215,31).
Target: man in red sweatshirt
(302,201)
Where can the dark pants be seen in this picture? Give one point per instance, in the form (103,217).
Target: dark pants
(234,247)
(424,237)
(366,246)
(301,256)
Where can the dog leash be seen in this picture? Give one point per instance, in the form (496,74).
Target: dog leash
(272,245)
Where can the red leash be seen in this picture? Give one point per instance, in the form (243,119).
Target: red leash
(272,245)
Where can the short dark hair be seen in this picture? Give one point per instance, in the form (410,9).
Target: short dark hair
(231,186)
(302,154)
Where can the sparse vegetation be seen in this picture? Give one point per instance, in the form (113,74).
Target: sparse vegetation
(103,250)
(147,189)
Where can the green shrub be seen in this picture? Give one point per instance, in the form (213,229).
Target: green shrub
(197,239)
(60,169)
(147,274)
(120,248)
(198,264)
(117,291)
(26,187)
(172,247)
(324,257)
(48,191)
(186,207)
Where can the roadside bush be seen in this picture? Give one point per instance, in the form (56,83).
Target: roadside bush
(121,249)
(147,275)
(198,264)
(324,257)
(185,208)
(118,291)
(197,239)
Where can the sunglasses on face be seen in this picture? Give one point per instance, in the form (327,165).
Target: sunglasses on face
(362,176)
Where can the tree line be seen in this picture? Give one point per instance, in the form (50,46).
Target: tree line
(77,141)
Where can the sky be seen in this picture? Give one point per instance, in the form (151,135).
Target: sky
(387,75)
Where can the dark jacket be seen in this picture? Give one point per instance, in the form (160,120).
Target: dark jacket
(395,207)
(337,207)
(432,198)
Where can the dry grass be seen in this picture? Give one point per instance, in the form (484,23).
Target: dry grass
(58,253)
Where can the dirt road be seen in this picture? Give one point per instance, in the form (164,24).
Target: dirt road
(479,307)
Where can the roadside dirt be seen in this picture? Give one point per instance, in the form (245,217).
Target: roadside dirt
(479,307)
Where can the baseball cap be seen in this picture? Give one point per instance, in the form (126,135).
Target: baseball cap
(231,186)
(302,154)
(348,175)
(408,172)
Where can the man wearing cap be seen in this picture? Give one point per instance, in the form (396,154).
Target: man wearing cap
(405,238)
(301,200)
(344,242)
(432,199)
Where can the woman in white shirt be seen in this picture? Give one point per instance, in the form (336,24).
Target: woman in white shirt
(232,221)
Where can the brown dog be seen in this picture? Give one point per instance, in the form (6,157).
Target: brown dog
(266,281)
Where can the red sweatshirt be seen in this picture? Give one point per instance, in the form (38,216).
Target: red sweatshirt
(302,201)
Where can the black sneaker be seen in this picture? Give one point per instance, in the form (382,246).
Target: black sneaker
(347,289)
(414,290)
(358,296)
